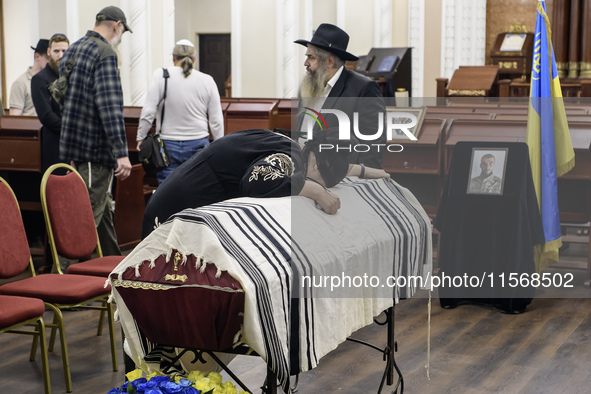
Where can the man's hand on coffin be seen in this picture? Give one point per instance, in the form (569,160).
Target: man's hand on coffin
(325,199)
(328,202)
(362,171)
(375,173)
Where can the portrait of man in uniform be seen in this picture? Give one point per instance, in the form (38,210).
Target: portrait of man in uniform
(487,171)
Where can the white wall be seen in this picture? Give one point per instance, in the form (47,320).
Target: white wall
(257,53)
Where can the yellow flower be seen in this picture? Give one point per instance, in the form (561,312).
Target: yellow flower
(194,376)
(228,388)
(215,377)
(135,374)
(203,384)
(153,374)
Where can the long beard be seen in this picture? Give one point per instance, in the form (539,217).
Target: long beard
(54,65)
(115,41)
(313,83)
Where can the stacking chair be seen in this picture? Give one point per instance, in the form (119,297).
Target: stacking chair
(16,312)
(69,220)
(57,291)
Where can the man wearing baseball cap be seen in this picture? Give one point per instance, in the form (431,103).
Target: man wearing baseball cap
(329,85)
(20,100)
(93,128)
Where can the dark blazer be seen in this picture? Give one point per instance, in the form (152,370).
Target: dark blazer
(50,116)
(355,93)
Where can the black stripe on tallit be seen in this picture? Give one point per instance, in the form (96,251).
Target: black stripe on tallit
(275,357)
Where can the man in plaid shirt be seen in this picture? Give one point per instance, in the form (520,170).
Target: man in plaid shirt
(93,129)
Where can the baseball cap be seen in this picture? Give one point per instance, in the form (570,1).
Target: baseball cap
(112,13)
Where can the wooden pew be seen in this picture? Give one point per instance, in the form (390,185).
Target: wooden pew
(20,143)
(20,165)
(419,166)
(251,115)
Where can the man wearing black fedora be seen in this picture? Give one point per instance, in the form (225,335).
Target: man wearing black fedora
(21,102)
(329,85)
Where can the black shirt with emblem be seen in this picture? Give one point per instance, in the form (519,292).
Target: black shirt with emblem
(246,163)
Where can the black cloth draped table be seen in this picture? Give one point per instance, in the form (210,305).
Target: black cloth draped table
(487,240)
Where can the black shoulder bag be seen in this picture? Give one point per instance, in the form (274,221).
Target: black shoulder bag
(153,154)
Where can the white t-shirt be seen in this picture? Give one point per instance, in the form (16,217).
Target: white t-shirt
(192,104)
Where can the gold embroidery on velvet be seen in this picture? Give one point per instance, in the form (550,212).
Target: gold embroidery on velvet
(280,166)
(131,284)
(141,285)
(176,277)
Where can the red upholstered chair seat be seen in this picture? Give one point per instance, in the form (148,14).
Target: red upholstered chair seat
(101,266)
(70,223)
(58,289)
(15,310)
(204,312)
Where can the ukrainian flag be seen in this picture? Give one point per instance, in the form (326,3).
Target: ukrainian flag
(551,151)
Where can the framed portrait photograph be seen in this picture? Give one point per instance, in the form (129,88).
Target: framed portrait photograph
(487,171)
(406,115)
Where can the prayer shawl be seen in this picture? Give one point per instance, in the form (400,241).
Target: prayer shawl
(269,245)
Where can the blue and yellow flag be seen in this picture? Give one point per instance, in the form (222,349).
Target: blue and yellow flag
(551,151)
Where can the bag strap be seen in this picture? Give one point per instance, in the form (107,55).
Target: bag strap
(165,74)
(70,65)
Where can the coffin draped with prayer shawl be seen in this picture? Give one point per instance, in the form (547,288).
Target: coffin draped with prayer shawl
(238,272)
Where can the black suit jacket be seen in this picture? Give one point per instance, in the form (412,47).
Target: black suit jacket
(50,116)
(355,93)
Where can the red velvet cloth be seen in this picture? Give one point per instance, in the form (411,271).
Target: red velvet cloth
(58,289)
(14,247)
(206,317)
(14,310)
(70,213)
(101,266)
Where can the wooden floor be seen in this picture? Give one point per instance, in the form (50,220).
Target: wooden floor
(473,350)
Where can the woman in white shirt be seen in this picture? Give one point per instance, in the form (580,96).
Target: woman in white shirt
(192,105)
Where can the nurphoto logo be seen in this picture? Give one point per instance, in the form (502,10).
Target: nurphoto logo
(393,129)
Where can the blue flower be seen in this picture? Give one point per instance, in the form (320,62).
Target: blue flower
(159,379)
(147,385)
(171,387)
(190,390)
(185,383)
(154,390)
(116,390)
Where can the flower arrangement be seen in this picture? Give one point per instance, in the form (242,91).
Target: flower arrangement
(195,383)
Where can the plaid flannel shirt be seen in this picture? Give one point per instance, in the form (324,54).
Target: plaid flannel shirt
(93,127)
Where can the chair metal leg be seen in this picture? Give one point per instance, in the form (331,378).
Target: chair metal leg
(99,332)
(58,318)
(34,347)
(54,326)
(44,358)
(111,320)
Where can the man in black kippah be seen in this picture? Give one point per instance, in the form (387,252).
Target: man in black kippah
(48,110)
(328,85)
(21,102)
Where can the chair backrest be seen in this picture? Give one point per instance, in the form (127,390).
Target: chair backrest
(15,255)
(68,214)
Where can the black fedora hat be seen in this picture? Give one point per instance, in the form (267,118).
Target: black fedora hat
(332,39)
(41,47)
